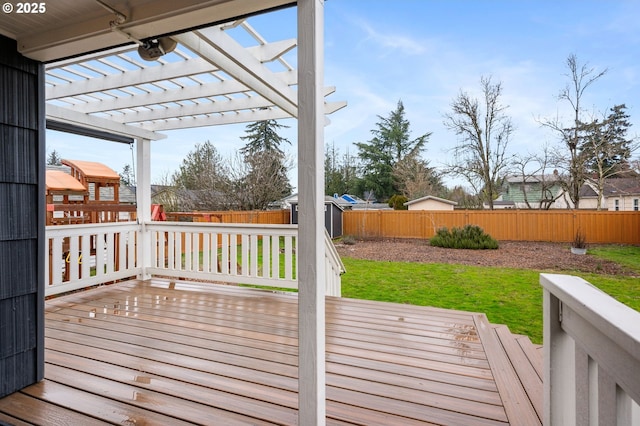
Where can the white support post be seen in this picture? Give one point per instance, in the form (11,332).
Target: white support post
(311,275)
(559,366)
(143,200)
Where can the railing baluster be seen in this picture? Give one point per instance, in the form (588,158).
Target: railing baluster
(266,253)
(275,257)
(206,252)
(171,251)
(288,257)
(233,254)
(187,251)
(247,254)
(254,254)
(72,258)
(195,251)
(224,267)
(57,260)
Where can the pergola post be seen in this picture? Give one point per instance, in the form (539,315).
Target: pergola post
(143,201)
(311,273)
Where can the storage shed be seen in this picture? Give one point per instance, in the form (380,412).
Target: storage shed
(332,216)
(430,203)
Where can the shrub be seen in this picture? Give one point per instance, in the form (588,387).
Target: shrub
(469,237)
(397,202)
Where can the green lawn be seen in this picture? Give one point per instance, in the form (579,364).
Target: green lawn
(508,296)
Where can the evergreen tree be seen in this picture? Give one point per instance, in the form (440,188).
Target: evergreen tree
(390,144)
(263,177)
(263,136)
(54,159)
(605,148)
(126,177)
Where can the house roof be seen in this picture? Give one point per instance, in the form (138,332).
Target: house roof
(431,197)
(533,178)
(613,187)
(57,180)
(92,169)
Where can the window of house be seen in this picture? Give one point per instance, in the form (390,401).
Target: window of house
(635,204)
(616,205)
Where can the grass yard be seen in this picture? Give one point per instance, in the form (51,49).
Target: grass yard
(508,296)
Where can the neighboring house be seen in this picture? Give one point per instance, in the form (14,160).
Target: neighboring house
(430,203)
(500,204)
(531,192)
(620,194)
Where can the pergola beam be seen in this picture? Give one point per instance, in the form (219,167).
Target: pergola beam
(160,72)
(233,117)
(57,113)
(219,88)
(215,46)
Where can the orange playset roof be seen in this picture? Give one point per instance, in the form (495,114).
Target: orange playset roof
(58,180)
(91,169)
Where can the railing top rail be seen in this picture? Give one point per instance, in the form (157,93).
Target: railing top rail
(74,229)
(332,252)
(614,319)
(234,227)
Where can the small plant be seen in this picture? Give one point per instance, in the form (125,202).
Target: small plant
(579,240)
(469,237)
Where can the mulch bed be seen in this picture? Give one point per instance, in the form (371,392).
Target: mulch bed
(511,254)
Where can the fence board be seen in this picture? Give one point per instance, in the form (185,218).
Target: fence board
(622,227)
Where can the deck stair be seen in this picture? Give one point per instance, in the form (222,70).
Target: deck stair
(517,367)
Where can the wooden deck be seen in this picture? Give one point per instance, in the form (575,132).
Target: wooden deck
(158,352)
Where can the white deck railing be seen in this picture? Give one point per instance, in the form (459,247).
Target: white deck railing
(81,256)
(233,253)
(591,355)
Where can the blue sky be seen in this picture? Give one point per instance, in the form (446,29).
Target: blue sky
(424,52)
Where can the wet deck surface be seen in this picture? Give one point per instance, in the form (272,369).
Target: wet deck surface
(156,352)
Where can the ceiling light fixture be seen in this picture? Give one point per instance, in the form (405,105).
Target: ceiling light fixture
(150,49)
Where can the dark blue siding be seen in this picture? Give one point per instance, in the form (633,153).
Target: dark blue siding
(21,219)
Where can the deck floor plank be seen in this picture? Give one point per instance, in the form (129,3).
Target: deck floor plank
(171,352)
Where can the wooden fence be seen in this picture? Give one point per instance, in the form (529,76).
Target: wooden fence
(515,225)
(274,217)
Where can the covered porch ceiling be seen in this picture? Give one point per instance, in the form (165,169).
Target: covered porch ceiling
(221,74)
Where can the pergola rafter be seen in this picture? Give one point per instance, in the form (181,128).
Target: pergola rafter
(210,79)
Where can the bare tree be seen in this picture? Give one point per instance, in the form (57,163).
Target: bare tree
(259,178)
(580,78)
(414,178)
(167,194)
(534,169)
(484,129)
(203,179)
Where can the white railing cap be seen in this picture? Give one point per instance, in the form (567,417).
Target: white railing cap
(614,319)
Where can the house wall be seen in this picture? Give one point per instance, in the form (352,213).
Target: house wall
(625,203)
(22,187)
(516,193)
(430,205)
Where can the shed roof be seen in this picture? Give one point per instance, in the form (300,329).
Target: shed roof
(431,197)
(58,180)
(92,169)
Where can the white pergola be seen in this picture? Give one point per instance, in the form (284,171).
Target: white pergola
(209,79)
